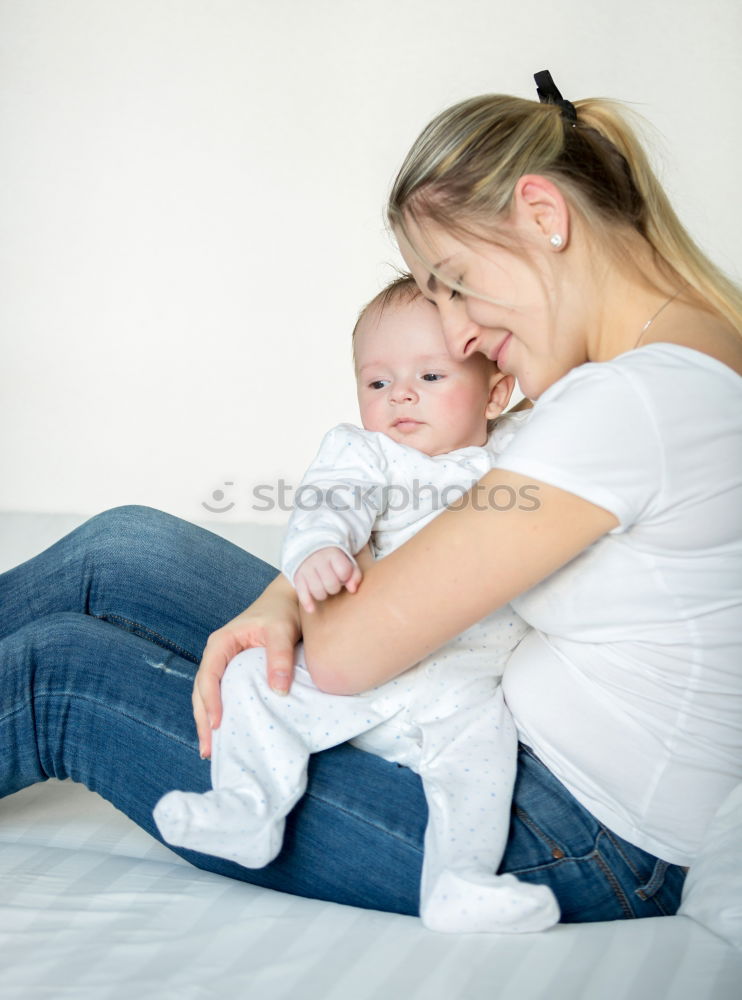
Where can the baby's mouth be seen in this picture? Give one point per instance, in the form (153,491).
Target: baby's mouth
(406,422)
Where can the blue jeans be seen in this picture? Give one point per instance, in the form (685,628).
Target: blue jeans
(100,638)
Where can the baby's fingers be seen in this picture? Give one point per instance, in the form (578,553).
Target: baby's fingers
(317,580)
(346,571)
(302,592)
(340,566)
(354,580)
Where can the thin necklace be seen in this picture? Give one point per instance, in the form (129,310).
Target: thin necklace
(653,318)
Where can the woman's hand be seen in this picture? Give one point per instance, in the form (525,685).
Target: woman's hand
(272,622)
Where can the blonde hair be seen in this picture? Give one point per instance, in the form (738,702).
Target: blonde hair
(462,171)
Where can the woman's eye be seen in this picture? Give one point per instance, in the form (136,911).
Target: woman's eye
(432,377)
(456,292)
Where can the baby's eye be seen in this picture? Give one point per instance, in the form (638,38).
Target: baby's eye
(378,383)
(432,376)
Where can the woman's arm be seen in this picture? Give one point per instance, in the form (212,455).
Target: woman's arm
(455,571)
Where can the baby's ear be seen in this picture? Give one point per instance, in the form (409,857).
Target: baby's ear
(501,389)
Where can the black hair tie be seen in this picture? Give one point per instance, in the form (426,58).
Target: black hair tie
(548,93)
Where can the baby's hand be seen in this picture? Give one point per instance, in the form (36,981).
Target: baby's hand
(323,573)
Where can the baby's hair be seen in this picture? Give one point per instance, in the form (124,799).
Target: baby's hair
(400,289)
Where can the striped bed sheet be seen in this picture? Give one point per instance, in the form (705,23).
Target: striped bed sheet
(93,907)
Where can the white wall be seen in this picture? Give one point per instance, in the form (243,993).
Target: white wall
(191,209)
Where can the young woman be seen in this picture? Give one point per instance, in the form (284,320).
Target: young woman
(541,235)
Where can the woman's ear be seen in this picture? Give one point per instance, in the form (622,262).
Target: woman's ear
(501,389)
(541,208)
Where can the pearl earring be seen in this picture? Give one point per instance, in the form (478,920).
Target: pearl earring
(556,241)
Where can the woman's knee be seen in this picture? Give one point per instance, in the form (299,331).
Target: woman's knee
(131,523)
(127,542)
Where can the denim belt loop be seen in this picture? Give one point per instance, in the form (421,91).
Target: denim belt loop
(656,881)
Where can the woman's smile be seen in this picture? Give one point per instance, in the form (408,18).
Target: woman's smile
(499,353)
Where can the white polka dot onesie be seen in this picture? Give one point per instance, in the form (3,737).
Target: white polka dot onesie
(445,718)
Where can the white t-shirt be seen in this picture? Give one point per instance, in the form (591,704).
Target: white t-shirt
(630,686)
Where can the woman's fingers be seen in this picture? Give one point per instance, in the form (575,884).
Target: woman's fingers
(279,652)
(207,708)
(203,727)
(221,646)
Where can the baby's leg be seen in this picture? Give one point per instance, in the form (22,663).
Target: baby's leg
(259,761)
(468,769)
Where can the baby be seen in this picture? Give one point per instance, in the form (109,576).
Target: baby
(425,442)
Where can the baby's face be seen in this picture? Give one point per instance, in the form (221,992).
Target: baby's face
(411,389)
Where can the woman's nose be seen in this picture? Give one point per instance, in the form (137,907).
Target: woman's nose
(460,333)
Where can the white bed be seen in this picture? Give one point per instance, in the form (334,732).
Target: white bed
(93,907)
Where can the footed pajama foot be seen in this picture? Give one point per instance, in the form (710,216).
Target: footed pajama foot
(225,823)
(471,901)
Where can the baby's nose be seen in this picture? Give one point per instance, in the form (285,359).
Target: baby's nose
(403,392)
